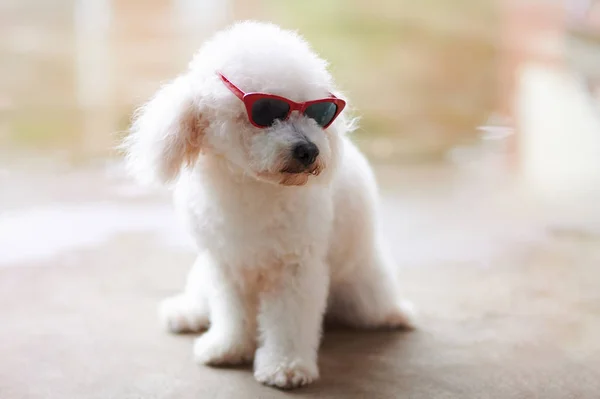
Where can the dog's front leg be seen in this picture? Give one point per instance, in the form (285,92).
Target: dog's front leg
(231,338)
(290,318)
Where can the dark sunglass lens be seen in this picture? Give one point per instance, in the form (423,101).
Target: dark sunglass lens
(266,110)
(322,113)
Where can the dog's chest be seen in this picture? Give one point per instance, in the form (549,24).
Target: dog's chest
(255,224)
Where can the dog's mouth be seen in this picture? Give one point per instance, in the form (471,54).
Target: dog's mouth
(293,175)
(295,168)
(313,171)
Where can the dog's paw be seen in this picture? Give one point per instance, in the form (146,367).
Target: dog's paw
(179,314)
(403,316)
(282,372)
(218,349)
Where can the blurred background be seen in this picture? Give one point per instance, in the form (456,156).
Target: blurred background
(422,76)
(481,118)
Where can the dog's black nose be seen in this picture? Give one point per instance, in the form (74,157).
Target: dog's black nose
(305,153)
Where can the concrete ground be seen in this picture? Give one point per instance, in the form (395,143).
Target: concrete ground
(507,293)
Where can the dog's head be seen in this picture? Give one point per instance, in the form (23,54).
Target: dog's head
(200,113)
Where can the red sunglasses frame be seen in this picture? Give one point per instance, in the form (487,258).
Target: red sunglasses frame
(250,98)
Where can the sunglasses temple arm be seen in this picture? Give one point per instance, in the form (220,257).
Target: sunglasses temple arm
(234,89)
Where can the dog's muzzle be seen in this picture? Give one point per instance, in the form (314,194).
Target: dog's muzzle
(303,158)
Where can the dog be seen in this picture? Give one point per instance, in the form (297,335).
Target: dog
(281,204)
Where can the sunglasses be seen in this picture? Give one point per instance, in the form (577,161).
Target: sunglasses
(264,109)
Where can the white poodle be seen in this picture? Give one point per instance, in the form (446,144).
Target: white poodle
(281,204)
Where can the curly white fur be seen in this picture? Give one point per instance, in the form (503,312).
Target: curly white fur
(276,250)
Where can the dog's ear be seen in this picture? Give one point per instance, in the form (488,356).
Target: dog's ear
(166,133)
